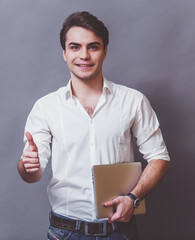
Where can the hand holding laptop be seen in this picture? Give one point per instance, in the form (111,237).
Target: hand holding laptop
(124,209)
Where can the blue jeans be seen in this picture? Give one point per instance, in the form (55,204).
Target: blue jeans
(124,231)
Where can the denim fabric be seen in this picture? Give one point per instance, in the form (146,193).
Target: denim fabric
(125,231)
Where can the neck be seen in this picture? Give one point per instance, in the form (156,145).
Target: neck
(82,88)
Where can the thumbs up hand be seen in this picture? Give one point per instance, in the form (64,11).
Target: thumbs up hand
(30,157)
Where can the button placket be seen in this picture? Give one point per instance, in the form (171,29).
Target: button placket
(92,141)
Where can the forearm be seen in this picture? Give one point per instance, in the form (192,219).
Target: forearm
(28,177)
(151,177)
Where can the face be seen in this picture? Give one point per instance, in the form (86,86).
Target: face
(84,54)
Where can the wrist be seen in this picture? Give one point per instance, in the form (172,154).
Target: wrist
(135,199)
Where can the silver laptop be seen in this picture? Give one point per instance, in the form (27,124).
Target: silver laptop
(112,180)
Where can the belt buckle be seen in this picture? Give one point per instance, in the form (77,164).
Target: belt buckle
(104,233)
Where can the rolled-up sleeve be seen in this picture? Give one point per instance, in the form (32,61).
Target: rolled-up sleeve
(37,125)
(148,134)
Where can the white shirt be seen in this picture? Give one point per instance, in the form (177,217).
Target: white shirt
(62,129)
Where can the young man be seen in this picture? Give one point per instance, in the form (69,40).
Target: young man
(90,121)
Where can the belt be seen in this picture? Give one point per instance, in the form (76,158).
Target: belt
(88,228)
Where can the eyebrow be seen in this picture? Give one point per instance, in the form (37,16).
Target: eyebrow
(94,43)
(89,44)
(73,43)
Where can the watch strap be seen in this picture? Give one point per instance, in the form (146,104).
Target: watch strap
(136,200)
(132,196)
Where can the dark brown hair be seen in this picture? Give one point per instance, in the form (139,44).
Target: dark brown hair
(85,20)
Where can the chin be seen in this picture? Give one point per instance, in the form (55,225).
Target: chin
(85,77)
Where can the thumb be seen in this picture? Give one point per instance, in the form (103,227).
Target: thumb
(30,140)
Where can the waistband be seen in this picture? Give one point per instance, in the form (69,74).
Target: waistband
(88,228)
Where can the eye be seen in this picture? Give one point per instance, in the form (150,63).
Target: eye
(74,47)
(93,47)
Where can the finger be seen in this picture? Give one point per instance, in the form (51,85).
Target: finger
(30,154)
(115,217)
(122,219)
(32,170)
(28,165)
(30,139)
(31,165)
(119,217)
(30,160)
(111,203)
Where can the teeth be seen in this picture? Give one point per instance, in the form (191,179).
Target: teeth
(84,65)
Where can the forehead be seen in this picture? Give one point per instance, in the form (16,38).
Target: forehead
(82,36)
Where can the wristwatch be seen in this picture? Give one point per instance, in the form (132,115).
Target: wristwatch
(136,201)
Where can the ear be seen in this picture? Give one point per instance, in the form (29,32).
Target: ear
(105,51)
(64,55)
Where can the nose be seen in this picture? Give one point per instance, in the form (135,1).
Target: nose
(84,54)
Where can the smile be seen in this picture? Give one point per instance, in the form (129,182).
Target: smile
(84,65)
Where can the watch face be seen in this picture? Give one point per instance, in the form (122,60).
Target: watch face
(137,203)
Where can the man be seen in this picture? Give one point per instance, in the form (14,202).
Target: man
(90,121)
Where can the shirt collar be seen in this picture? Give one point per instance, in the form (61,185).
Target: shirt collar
(106,86)
(68,90)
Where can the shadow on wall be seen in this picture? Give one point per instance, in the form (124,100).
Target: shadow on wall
(166,205)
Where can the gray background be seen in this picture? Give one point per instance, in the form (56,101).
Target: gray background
(152,49)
